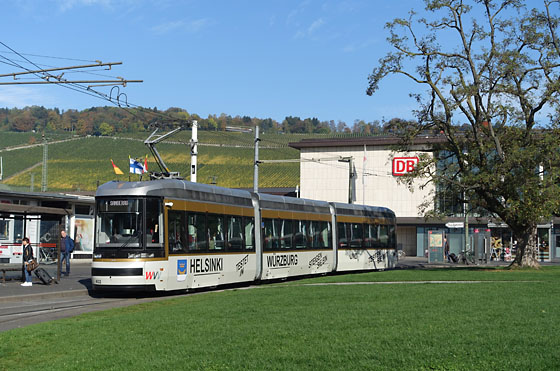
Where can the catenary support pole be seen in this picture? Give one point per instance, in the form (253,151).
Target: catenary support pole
(256,172)
(194,150)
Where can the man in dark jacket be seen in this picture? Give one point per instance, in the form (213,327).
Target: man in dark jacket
(66,247)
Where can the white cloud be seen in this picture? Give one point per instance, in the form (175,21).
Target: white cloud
(315,25)
(21,97)
(192,26)
(64,5)
(310,31)
(356,46)
(167,27)
(198,24)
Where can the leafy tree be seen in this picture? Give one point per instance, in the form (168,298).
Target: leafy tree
(23,121)
(491,71)
(105,129)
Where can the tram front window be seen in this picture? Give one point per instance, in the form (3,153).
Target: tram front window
(129,228)
(119,223)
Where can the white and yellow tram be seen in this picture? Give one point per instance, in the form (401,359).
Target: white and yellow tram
(173,234)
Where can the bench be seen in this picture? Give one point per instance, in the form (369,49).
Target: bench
(10,268)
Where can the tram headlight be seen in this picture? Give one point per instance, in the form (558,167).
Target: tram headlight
(134,255)
(97,256)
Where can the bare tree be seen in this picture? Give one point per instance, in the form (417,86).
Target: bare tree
(491,73)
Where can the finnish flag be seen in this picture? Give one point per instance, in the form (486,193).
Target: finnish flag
(136,167)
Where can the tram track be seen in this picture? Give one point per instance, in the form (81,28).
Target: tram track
(23,314)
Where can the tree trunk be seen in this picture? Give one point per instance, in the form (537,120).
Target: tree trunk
(527,249)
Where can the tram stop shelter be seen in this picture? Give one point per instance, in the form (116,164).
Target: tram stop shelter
(41,216)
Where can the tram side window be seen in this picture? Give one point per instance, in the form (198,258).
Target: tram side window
(303,235)
(286,234)
(234,233)
(327,235)
(392,237)
(216,232)
(384,236)
(177,238)
(357,235)
(320,234)
(270,235)
(343,232)
(153,222)
(370,236)
(249,227)
(196,232)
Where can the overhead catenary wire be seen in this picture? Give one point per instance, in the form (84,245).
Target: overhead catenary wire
(327,161)
(52,57)
(87,90)
(120,100)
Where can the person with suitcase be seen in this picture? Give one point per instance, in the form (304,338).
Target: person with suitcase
(66,247)
(27,257)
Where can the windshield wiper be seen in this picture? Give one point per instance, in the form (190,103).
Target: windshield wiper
(129,239)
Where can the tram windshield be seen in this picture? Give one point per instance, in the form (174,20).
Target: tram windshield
(129,224)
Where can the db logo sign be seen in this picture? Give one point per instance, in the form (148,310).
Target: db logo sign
(403,165)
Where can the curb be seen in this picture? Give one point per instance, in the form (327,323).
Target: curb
(45,295)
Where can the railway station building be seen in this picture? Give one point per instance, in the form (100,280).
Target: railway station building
(365,170)
(40,216)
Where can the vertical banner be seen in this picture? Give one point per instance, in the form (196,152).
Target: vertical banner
(83,234)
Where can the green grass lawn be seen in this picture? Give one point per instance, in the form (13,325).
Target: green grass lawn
(509,321)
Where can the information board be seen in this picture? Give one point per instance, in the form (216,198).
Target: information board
(435,246)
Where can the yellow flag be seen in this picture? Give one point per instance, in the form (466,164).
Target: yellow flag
(117,170)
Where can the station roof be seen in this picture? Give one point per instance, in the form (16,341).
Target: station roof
(46,203)
(363,140)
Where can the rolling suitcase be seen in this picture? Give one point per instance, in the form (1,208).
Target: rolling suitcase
(454,258)
(43,276)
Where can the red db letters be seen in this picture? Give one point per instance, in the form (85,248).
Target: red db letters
(403,165)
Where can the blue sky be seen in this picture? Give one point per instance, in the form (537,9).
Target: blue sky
(256,58)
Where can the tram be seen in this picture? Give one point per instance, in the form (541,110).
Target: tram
(172,234)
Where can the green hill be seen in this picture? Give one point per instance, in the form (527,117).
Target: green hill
(83,163)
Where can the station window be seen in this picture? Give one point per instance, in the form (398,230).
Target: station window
(4,229)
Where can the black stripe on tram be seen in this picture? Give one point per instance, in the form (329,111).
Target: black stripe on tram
(116,271)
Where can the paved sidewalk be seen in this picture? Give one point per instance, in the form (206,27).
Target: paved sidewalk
(77,283)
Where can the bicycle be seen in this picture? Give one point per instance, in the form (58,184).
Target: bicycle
(466,257)
(47,255)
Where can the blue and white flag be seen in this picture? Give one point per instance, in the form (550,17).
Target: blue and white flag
(136,167)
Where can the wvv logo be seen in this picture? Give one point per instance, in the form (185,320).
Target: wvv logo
(153,275)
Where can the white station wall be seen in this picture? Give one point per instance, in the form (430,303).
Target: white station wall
(325,178)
